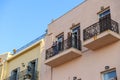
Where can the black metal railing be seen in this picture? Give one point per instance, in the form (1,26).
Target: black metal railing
(66,44)
(99,27)
(23,75)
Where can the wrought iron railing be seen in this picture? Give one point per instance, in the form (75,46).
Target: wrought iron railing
(99,27)
(23,76)
(66,44)
(30,43)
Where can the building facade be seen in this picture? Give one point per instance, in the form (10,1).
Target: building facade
(25,63)
(3,65)
(84,44)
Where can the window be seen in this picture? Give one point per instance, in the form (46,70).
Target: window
(32,69)
(105,20)
(76,37)
(60,41)
(14,74)
(104,13)
(110,75)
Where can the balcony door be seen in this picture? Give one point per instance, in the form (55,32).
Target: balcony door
(76,37)
(105,20)
(60,41)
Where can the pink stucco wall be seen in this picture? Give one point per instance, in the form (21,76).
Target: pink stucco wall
(90,65)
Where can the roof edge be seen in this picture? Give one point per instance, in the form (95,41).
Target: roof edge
(68,12)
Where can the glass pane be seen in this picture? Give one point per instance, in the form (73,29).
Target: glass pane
(60,38)
(60,43)
(109,75)
(104,13)
(75,37)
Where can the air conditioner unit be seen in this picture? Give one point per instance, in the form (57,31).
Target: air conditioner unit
(114,78)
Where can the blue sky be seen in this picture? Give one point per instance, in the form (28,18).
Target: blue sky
(21,21)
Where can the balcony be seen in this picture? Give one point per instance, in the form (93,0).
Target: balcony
(23,75)
(71,50)
(101,34)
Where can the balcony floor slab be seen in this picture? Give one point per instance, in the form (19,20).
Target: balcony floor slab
(63,57)
(101,40)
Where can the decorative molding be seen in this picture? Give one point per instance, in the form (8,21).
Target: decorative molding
(102,9)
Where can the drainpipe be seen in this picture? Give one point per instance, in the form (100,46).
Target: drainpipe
(51,73)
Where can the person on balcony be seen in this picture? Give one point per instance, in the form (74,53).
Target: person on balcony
(55,49)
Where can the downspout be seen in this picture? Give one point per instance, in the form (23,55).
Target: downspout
(51,73)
